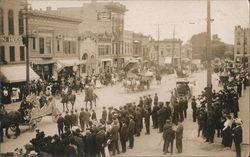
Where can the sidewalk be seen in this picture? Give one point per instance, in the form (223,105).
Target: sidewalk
(244,114)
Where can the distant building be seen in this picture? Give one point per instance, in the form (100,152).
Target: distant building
(241,42)
(141,45)
(102,18)
(169,48)
(53,44)
(128,39)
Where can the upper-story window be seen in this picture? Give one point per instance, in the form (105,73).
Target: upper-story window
(11,21)
(20,22)
(1,21)
(12,53)
(41,45)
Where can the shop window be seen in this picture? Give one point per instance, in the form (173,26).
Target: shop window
(20,22)
(1,21)
(22,55)
(12,53)
(11,22)
(41,45)
(2,53)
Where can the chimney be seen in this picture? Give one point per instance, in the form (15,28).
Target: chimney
(48,8)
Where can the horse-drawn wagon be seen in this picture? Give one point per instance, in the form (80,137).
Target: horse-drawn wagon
(29,114)
(183,89)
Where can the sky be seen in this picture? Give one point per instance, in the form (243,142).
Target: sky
(186,17)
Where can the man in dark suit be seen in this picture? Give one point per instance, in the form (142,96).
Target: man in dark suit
(168,136)
(131,131)
(179,135)
(60,124)
(114,138)
(104,114)
(81,119)
(154,116)
(147,121)
(67,121)
(124,136)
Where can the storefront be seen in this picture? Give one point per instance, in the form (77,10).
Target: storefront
(68,68)
(13,81)
(106,64)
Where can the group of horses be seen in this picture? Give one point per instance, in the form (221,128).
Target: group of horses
(136,84)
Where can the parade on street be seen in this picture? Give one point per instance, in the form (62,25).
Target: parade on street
(99,78)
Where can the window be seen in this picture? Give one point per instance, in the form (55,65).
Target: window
(20,22)
(48,45)
(22,55)
(1,21)
(58,45)
(11,22)
(2,54)
(12,53)
(83,68)
(73,46)
(85,56)
(41,45)
(161,52)
(34,43)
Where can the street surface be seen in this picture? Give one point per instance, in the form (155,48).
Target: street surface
(148,145)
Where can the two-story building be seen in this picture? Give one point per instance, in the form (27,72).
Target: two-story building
(12,50)
(53,44)
(169,51)
(102,18)
(241,42)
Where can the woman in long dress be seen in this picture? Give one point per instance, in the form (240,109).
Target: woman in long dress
(227,131)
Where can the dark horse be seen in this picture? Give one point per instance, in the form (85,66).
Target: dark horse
(10,120)
(68,98)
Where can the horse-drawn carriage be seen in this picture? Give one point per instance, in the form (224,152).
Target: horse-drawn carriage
(183,89)
(137,82)
(29,114)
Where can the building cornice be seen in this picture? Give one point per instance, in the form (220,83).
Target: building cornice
(45,14)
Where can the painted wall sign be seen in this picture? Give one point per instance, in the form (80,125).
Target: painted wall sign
(11,39)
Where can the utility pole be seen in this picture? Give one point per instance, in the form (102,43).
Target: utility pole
(173,46)
(158,47)
(27,44)
(209,74)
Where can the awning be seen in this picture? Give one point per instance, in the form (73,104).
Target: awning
(168,60)
(41,62)
(106,59)
(15,73)
(69,62)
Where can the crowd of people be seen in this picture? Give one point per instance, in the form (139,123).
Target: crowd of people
(222,114)
(82,134)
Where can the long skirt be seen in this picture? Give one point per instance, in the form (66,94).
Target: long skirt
(227,138)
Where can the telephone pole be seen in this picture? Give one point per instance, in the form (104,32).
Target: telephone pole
(158,47)
(173,45)
(209,74)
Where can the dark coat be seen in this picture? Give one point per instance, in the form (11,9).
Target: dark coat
(131,127)
(114,133)
(124,132)
(169,134)
(237,134)
(60,122)
(104,115)
(101,138)
(179,132)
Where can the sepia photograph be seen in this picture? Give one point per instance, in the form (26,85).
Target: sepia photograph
(128,78)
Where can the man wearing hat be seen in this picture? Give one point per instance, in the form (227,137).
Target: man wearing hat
(131,131)
(194,109)
(147,121)
(156,99)
(114,132)
(154,115)
(237,136)
(67,121)
(104,114)
(60,124)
